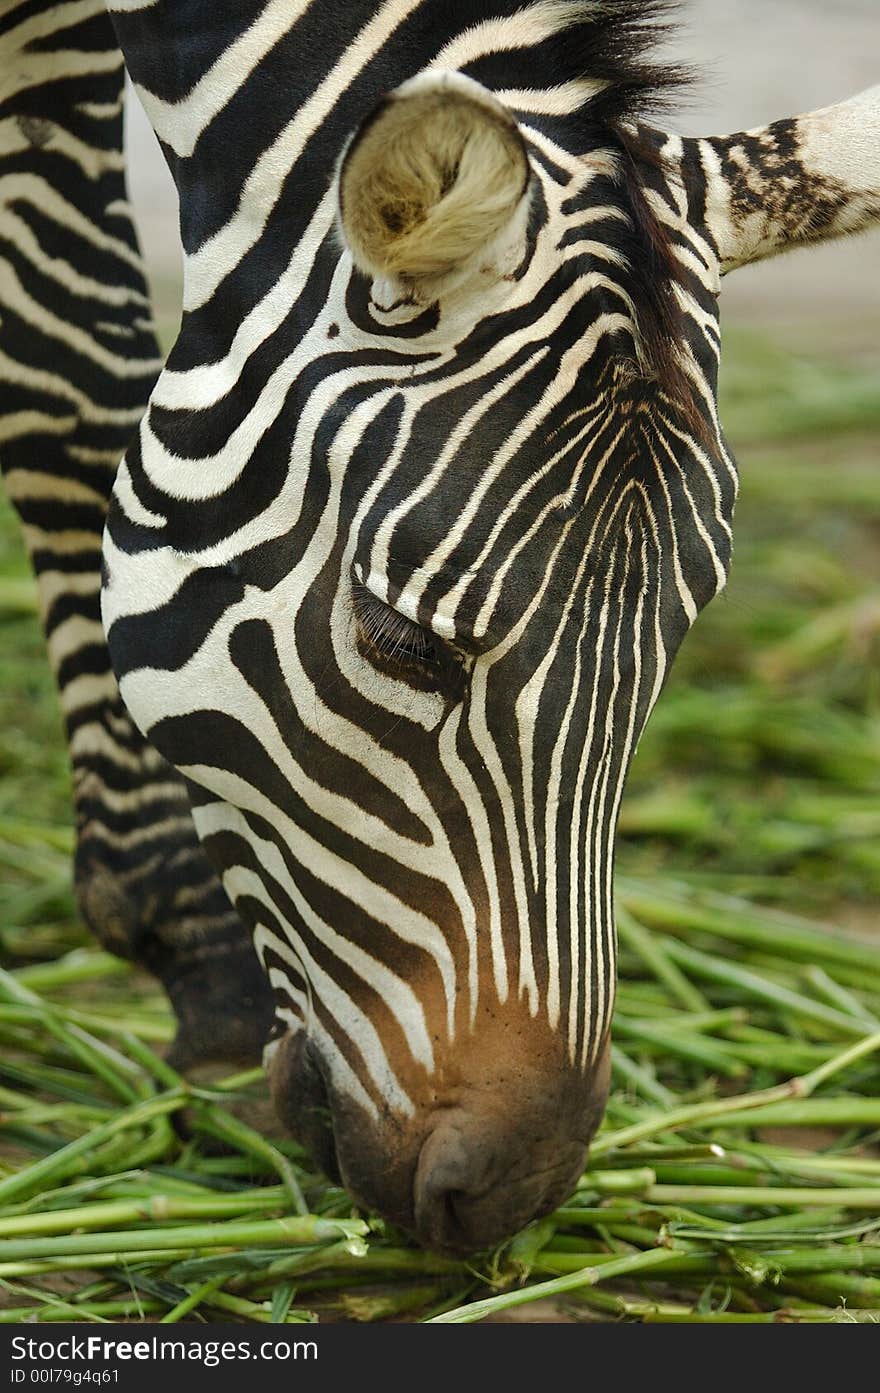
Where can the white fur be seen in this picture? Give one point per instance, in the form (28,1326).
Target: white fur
(843,142)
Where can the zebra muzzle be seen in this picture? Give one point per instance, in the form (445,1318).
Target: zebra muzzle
(477,1159)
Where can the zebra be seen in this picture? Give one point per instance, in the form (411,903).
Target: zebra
(406,532)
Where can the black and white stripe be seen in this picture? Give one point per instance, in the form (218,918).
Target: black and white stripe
(499,471)
(398,561)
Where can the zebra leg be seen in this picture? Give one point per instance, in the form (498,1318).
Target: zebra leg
(78,359)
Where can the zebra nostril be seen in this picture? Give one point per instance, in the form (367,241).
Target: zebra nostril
(438,1223)
(476,1184)
(457,1208)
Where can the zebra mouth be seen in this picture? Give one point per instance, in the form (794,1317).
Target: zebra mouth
(465,1202)
(459,1175)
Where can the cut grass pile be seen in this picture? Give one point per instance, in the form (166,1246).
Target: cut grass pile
(758,1020)
(736,1177)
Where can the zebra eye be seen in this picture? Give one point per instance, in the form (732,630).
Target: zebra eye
(395,644)
(391,634)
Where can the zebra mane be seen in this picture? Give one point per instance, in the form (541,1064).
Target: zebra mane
(605,46)
(609,45)
(654,274)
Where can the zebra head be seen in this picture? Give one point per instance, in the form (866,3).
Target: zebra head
(426,499)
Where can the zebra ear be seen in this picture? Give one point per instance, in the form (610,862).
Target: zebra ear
(795,182)
(432,182)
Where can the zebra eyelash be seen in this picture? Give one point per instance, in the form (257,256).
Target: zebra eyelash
(392,635)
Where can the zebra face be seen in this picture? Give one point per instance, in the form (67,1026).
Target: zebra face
(404,636)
